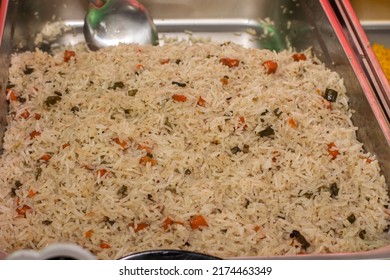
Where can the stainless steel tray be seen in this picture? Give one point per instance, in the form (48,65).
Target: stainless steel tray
(377,31)
(299,24)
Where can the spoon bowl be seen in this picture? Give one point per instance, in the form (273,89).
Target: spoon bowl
(111,22)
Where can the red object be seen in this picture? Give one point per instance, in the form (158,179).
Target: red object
(31,193)
(88,233)
(146,148)
(197,222)
(332,151)
(65,145)
(201,102)
(139,226)
(3,12)
(292,122)
(122,143)
(34,134)
(146,159)
(179,97)
(230,62)
(102,172)
(46,157)
(271,66)
(25,114)
(105,245)
(22,210)
(299,56)
(68,55)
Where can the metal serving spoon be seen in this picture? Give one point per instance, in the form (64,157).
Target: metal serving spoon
(110,22)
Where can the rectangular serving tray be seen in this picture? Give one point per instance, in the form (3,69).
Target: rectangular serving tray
(329,27)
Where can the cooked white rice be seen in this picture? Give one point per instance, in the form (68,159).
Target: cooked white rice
(211,158)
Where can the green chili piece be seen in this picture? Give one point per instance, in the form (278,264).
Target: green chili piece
(38,173)
(277,112)
(245,149)
(28,70)
(179,84)
(47,222)
(123,191)
(52,100)
(132,92)
(351,218)
(117,85)
(269,131)
(75,109)
(334,190)
(187,172)
(235,150)
(300,238)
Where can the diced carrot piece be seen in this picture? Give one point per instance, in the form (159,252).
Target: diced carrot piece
(46,157)
(88,233)
(104,245)
(197,222)
(164,61)
(139,66)
(34,134)
(230,62)
(224,81)
(201,102)
(179,97)
(260,232)
(65,145)
(68,55)
(121,143)
(333,152)
(89,214)
(299,56)
(149,150)
(242,123)
(25,114)
(12,96)
(368,160)
(37,116)
(139,226)
(292,122)
(167,222)
(102,172)
(146,159)
(31,193)
(22,210)
(271,66)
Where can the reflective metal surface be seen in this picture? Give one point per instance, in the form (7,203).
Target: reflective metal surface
(118,21)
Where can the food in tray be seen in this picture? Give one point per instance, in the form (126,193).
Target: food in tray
(383,55)
(205,147)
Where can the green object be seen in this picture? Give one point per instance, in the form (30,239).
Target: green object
(96,14)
